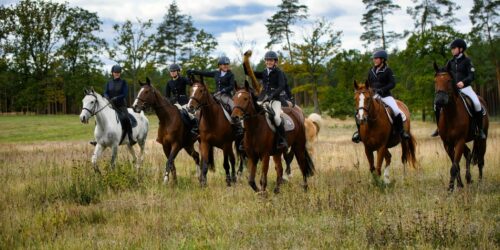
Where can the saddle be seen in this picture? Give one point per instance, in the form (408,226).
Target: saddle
(288,122)
(185,116)
(469,105)
(390,112)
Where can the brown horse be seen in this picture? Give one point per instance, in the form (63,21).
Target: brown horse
(215,131)
(173,135)
(376,131)
(455,128)
(259,140)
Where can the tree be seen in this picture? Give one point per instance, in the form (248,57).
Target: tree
(133,48)
(486,25)
(315,50)
(374,21)
(175,34)
(205,43)
(279,25)
(427,12)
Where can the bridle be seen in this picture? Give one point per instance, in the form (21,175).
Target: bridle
(366,109)
(246,115)
(93,111)
(198,101)
(449,90)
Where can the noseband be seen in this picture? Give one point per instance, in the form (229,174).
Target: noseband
(367,109)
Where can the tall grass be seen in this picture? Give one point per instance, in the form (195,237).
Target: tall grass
(51,198)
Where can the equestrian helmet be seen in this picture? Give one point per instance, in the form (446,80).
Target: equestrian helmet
(380,54)
(116,69)
(174,67)
(271,55)
(223,60)
(460,43)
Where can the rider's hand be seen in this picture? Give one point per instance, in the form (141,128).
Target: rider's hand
(460,84)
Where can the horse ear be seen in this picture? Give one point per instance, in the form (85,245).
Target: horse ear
(85,91)
(247,86)
(356,86)
(148,81)
(92,89)
(436,68)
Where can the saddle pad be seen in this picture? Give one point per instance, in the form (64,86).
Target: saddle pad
(469,105)
(289,125)
(226,114)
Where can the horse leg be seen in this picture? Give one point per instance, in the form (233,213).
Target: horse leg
(300,156)
(205,158)
(459,150)
(171,161)
(252,163)
(196,157)
(288,160)
(241,157)
(114,153)
(232,161)
(455,167)
(381,152)
(134,157)
(279,172)
(97,153)
(468,159)
(142,145)
(265,169)
(481,150)
(226,167)
(166,150)
(388,157)
(369,156)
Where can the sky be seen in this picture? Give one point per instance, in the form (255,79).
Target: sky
(245,20)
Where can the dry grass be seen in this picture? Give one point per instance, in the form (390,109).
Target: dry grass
(50,198)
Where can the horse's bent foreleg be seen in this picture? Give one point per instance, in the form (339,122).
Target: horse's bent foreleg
(171,160)
(196,157)
(134,157)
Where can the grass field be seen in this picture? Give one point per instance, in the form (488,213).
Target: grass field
(50,197)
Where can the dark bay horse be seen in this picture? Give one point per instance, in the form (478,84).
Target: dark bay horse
(455,128)
(259,140)
(215,131)
(376,131)
(173,135)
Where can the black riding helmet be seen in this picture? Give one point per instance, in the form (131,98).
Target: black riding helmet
(271,55)
(174,67)
(223,60)
(380,54)
(458,43)
(116,69)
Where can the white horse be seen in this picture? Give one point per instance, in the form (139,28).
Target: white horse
(108,130)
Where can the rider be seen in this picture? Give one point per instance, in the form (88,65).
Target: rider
(274,83)
(381,81)
(224,80)
(176,93)
(116,91)
(462,71)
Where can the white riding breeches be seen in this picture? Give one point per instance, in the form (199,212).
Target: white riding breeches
(468,91)
(391,102)
(276,106)
(226,100)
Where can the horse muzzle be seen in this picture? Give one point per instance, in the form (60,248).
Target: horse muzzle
(441,98)
(84,119)
(137,108)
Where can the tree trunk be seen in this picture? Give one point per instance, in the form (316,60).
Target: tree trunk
(317,110)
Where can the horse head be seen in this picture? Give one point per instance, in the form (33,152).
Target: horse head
(145,97)
(442,85)
(363,96)
(199,96)
(90,103)
(243,102)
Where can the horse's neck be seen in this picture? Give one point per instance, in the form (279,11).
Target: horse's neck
(164,109)
(106,116)
(376,112)
(451,109)
(253,122)
(211,111)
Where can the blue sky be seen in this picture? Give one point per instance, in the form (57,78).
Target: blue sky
(245,20)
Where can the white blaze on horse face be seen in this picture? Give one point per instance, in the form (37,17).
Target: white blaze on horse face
(139,94)
(195,88)
(361,106)
(239,95)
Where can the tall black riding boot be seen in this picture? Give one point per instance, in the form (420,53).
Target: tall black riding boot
(437,113)
(239,133)
(398,124)
(478,116)
(195,132)
(355,137)
(280,131)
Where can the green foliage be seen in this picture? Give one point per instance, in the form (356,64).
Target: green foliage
(427,12)
(374,22)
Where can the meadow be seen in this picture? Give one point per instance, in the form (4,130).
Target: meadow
(50,197)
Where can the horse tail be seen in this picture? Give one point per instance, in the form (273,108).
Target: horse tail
(317,121)
(408,155)
(309,169)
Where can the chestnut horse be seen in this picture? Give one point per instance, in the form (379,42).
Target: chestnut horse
(215,131)
(376,131)
(259,140)
(173,135)
(455,128)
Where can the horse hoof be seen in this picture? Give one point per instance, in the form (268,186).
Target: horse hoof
(276,190)
(262,193)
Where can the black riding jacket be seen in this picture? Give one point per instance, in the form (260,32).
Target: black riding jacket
(274,83)
(118,89)
(381,80)
(224,84)
(176,90)
(461,69)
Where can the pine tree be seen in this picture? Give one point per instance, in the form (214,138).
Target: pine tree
(426,13)
(375,21)
(279,25)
